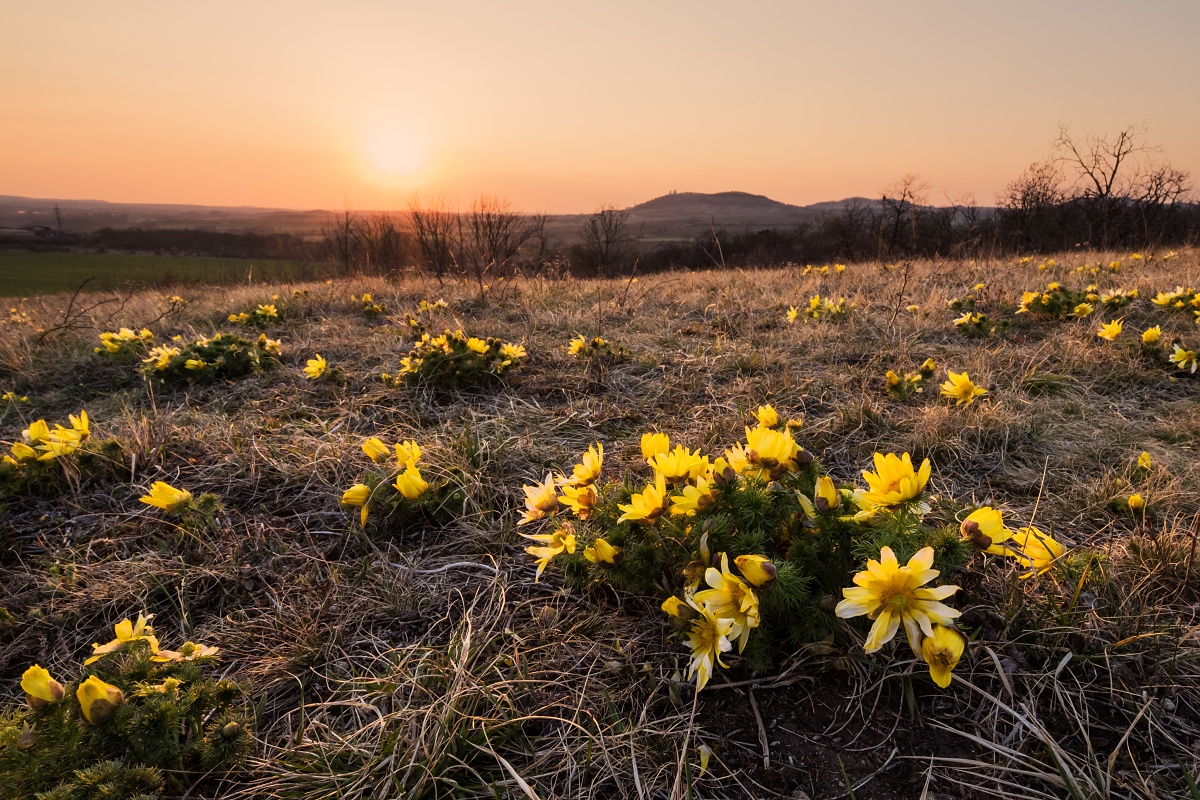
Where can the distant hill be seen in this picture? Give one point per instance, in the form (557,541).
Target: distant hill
(678,215)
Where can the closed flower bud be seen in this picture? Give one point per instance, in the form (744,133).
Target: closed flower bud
(1136,502)
(231,730)
(826,498)
(98,700)
(803,457)
(759,571)
(40,689)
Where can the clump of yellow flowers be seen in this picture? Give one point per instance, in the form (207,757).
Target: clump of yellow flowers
(40,443)
(140,720)
(399,490)
(454,359)
(369,306)
(262,314)
(746,545)
(209,358)
(125,344)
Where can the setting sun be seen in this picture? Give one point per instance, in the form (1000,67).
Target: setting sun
(393,154)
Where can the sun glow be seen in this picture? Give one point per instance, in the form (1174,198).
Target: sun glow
(393,153)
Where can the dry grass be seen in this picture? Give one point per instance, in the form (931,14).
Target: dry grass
(430,665)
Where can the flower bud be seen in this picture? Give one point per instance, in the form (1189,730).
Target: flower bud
(231,730)
(98,700)
(40,689)
(826,498)
(759,571)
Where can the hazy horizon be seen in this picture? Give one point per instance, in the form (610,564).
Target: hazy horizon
(564,108)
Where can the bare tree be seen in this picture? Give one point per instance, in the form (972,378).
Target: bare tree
(341,238)
(434,228)
(491,236)
(605,240)
(900,203)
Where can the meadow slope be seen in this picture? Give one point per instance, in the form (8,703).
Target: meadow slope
(425,661)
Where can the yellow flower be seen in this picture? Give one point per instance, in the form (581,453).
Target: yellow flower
(562,540)
(98,700)
(730,598)
(540,500)
(40,689)
(194,364)
(680,465)
(693,499)
(647,505)
(1110,330)
(984,528)
(708,638)
(757,570)
(1144,461)
(576,346)
(267,311)
(588,470)
(960,388)
(604,554)
(160,357)
(127,633)
(1082,310)
(826,496)
(580,499)
(774,451)
(315,367)
(1136,502)
(408,452)
(1035,550)
(23,452)
(410,484)
(375,449)
(190,651)
(358,496)
(1152,335)
(941,652)
(1184,358)
(893,380)
(675,607)
(890,594)
(792,313)
(512,351)
(654,444)
(894,481)
(165,496)
(767,416)
(478,345)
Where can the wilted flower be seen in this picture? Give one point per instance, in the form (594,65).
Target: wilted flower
(40,689)
(890,594)
(708,638)
(127,633)
(98,700)
(941,652)
(552,544)
(540,500)
(190,651)
(730,598)
(960,388)
(165,496)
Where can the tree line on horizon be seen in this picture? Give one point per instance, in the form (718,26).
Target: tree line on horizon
(1098,192)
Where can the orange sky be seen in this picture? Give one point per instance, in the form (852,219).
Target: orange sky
(564,106)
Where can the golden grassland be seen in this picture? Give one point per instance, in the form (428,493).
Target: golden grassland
(428,663)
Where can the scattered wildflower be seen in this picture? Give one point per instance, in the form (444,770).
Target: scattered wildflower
(540,500)
(561,540)
(767,416)
(588,470)
(165,496)
(1152,335)
(98,700)
(1110,330)
(190,651)
(604,554)
(315,367)
(1082,310)
(985,529)
(376,450)
(890,594)
(1184,359)
(942,652)
(1136,503)
(792,313)
(127,634)
(408,452)
(960,388)
(1144,461)
(40,689)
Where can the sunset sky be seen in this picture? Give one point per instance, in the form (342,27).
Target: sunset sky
(564,106)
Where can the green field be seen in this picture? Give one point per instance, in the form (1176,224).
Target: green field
(23,274)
